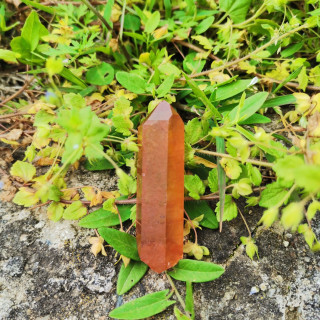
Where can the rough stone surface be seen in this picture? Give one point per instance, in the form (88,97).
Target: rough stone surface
(47,271)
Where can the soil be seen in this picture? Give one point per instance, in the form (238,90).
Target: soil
(47,271)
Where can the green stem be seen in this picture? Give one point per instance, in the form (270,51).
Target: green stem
(248,56)
(106,157)
(225,155)
(259,12)
(176,292)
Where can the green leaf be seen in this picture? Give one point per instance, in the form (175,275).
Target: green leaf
(131,22)
(100,75)
(189,299)
(127,185)
(196,271)
(313,207)
(130,275)
(289,51)
(272,195)
(255,119)
(204,25)
(292,215)
(307,177)
(198,208)
(230,209)
(54,66)
(144,307)
(132,82)
(104,218)
(122,242)
(286,168)
(236,9)
(254,174)
(193,131)
(31,30)
(98,165)
(279,101)
(25,197)
(23,170)
(68,75)
(9,56)
(303,79)
(194,185)
(179,315)
(165,86)
(75,211)
(39,6)
(232,89)
(213,180)
(250,106)
(55,211)
(201,95)
(152,22)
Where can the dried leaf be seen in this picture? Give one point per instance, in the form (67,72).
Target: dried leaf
(97,245)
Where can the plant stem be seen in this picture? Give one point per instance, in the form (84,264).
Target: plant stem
(225,155)
(248,56)
(245,222)
(193,227)
(176,292)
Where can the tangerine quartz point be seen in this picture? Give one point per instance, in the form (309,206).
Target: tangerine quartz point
(160,191)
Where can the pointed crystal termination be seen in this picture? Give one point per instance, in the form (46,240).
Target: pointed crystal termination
(160,191)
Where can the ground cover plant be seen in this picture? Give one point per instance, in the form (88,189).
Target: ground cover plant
(245,77)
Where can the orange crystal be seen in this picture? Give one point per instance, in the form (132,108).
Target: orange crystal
(160,191)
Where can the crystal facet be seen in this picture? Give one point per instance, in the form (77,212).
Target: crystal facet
(160,191)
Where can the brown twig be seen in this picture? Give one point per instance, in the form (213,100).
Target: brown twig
(27,83)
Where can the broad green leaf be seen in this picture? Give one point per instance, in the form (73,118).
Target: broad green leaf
(54,66)
(98,165)
(25,197)
(308,177)
(269,216)
(104,218)
(193,131)
(312,209)
(236,9)
(55,211)
(286,168)
(292,215)
(165,86)
(250,106)
(289,51)
(74,211)
(108,11)
(9,56)
(279,101)
(23,170)
(204,25)
(132,82)
(272,195)
(189,299)
(194,185)
(131,22)
(152,22)
(130,275)
(122,242)
(144,307)
(213,180)
(190,64)
(198,208)
(230,209)
(100,75)
(31,30)
(231,89)
(196,271)
(255,119)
